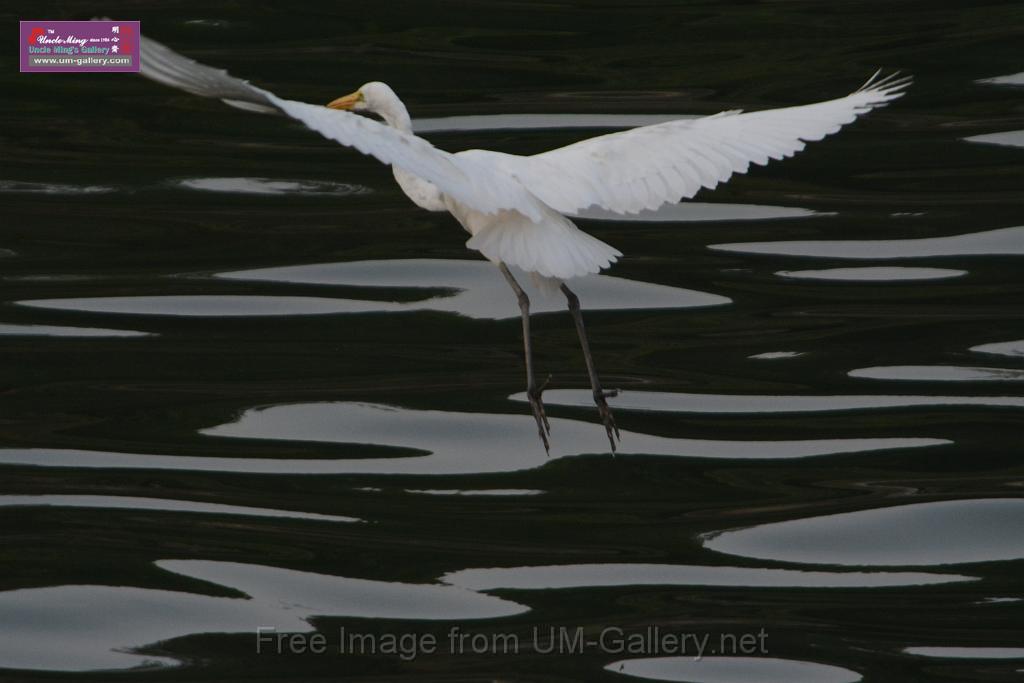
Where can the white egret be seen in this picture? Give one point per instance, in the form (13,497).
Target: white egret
(513,206)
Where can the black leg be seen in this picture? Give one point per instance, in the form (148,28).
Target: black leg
(532,391)
(595,382)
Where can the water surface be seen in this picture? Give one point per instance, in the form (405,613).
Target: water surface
(983,530)
(245,381)
(731,670)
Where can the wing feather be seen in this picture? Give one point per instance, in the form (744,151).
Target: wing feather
(643,168)
(624,172)
(470,181)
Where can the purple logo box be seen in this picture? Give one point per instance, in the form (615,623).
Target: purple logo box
(79,46)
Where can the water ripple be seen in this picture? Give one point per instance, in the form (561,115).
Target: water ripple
(10,329)
(161,505)
(273,186)
(1001,242)
(476,492)
(481,291)
(1010,138)
(612,574)
(452,443)
(665,401)
(487,442)
(939,373)
(873,274)
(1009,79)
(777,355)
(365,598)
(23,187)
(701,211)
(85,627)
(1010,348)
(973,530)
(690,669)
(967,652)
(213,305)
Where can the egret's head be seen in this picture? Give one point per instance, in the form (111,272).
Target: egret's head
(374,97)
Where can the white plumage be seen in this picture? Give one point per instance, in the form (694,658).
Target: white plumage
(513,206)
(646,167)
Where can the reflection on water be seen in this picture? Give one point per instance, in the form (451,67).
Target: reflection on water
(324,595)
(22,187)
(449,454)
(462,443)
(877,274)
(13,330)
(701,211)
(48,277)
(939,373)
(967,652)
(272,186)
(690,669)
(743,403)
(476,492)
(1010,348)
(213,306)
(97,627)
(980,530)
(1010,79)
(592,575)
(777,355)
(480,293)
(1010,138)
(1002,242)
(161,505)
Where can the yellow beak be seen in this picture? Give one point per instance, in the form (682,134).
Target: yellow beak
(347,102)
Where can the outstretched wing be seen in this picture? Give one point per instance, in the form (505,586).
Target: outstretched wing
(646,167)
(163,65)
(478,185)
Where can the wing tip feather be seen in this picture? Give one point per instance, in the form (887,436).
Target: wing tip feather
(887,87)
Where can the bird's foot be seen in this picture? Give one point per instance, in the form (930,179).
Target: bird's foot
(537,405)
(606,415)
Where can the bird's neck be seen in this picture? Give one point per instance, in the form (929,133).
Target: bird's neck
(396,116)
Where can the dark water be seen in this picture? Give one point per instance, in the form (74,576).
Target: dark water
(246,383)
